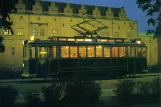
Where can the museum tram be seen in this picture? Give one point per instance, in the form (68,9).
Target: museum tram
(87,55)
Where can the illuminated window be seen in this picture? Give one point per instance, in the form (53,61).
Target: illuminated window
(82,51)
(42,52)
(107,51)
(41,32)
(121,51)
(114,51)
(35,32)
(65,52)
(7,32)
(90,51)
(73,51)
(54,32)
(13,50)
(98,51)
(20,31)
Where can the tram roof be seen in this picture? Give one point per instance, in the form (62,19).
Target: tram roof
(52,42)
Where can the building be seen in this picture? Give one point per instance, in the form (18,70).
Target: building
(43,19)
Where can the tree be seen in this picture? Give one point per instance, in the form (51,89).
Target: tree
(5,9)
(153,8)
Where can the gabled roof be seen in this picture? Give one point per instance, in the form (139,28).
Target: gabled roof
(90,8)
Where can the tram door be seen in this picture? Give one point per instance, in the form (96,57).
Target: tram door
(42,63)
(52,60)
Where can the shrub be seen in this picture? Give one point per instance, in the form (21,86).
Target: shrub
(143,89)
(125,90)
(156,87)
(7,96)
(32,97)
(53,93)
(78,93)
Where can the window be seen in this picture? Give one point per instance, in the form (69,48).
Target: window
(121,51)
(54,32)
(52,52)
(98,51)
(64,51)
(13,50)
(35,32)
(116,34)
(132,51)
(7,32)
(42,52)
(82,51)
(107,52)
(20,31)
(41,32)
(114,51)
(90,51)
(73,51)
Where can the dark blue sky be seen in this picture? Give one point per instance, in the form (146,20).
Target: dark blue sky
(131,8)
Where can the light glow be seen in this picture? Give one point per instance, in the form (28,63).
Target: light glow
(88,40)
(32,38)
(138,42)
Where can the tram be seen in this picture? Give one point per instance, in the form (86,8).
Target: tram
(70,55)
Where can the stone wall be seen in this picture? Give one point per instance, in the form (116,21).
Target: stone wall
(152,52)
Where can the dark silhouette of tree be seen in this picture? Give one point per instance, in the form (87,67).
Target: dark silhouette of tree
(6,6)
(152,8)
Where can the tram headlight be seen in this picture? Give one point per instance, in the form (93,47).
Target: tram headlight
(138,42)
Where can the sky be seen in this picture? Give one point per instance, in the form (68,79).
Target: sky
(132,10)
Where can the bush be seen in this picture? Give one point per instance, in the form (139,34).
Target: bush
(7,96)
(143,89)
(79,93)
(32,97)
(149,90)
(156,87)
(125,90)
(53,93)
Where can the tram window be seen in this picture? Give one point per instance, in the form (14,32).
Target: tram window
(64,51)
(114,51)
(73,51)
(121,51)
(42,52)
(33,52)
(107,52)
(133,51)
(139,52)
(128,51)
(82,51)
(25,52)
(90,51)
(52,52)
(144,51)
(98,51)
